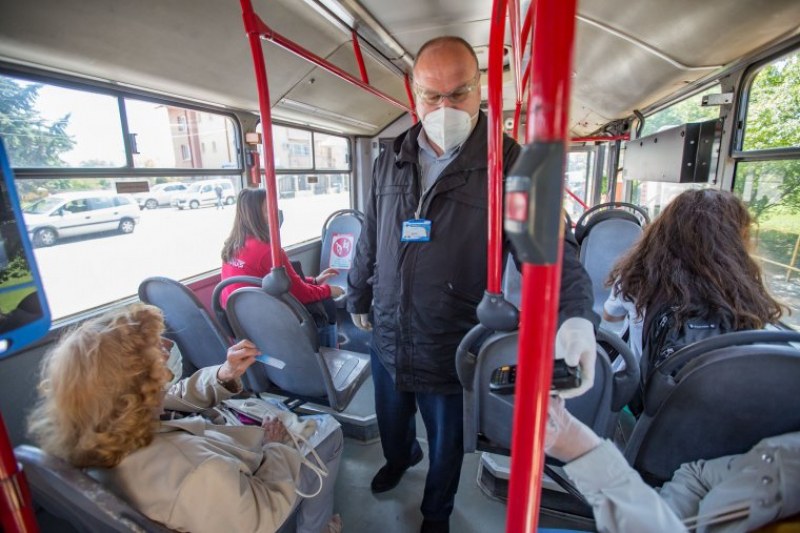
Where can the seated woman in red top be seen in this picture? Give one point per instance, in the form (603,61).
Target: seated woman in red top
(247,253)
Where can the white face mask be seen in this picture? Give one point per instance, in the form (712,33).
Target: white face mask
(448,127)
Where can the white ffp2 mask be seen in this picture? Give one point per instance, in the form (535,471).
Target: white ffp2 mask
(447,127)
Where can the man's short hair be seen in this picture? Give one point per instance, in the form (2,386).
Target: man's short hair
(447,39)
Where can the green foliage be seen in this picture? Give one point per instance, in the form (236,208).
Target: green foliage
(30,140)
(688,110)
(773,121)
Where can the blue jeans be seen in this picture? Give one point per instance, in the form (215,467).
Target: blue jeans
(443,418)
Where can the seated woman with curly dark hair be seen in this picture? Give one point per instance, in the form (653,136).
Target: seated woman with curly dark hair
(102,407)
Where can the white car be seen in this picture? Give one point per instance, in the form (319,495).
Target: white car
(79,213)
(204,192)
(158,195)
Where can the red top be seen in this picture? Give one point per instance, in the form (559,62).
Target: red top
(255,259)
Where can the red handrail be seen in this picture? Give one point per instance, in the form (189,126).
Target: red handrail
(576,198)
(548,110)
(410,94)
(16,504)
(495,148)
(601,138)
(254,27)
(271,35)
(359,58)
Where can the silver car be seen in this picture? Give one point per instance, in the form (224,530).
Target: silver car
(79,213)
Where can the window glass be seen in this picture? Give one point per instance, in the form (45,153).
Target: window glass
(45,126)
(168,136)
(331,152)
(688,110)
(102,262)
(580,173)
(773,106)
(292,147)
(771,190)
(307,200)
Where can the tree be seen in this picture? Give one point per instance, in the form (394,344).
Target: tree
(773,121)
(29,139)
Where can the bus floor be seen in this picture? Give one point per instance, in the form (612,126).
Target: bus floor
(397,511)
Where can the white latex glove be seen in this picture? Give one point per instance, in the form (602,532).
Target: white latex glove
(575,343)
(361,321)
(566,438)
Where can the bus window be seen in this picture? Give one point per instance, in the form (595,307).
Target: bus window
(768,174)
(169,136)
(46,126)
(580,175)
(67,147)
(308,197)
(655,195)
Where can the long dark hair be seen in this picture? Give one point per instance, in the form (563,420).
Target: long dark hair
(695,256)
(250,221)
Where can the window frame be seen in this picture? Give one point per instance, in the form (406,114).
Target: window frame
(738,154)
(128,170)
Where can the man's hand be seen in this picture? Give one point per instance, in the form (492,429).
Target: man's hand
(361,321)
(239,358)
(325,275)
(566,438)
(575,343)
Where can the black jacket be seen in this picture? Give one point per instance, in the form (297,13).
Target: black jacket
(424,294)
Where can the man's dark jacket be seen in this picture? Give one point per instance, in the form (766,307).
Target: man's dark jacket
(424,294)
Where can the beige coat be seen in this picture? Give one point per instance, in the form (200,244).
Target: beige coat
(197,476)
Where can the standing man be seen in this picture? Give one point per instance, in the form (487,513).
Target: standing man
(218,192)
(421,264)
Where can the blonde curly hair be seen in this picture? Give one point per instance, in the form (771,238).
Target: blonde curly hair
(101,388)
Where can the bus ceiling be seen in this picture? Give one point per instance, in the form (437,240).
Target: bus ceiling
(627,56)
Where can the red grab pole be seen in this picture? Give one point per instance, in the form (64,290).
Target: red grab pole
(495,147)
(253,27)
(548,111)
(576,198)
(359,58)
(16,504)
(410,94)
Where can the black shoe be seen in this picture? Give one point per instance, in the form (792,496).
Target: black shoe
(388,477)
(435,526)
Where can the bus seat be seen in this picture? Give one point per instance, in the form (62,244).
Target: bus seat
(605,232)
(285,333)
(70,494)
(488,416)
(340,234)
(717,397)
(201,341)
(343,224)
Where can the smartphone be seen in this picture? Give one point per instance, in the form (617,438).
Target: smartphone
(24,315)
(504,378)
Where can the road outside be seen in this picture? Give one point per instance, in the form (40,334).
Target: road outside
(82,273)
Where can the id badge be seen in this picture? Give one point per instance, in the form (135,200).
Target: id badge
(417,230)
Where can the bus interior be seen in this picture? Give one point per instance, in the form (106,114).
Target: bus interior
(127,96)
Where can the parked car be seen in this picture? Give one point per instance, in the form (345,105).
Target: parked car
(79,213)
(158,195)
(204,192)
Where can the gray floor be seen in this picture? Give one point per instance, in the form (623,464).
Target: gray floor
(397,511)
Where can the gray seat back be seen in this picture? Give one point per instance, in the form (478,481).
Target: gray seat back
(512,283)
(717,397)
(285,332)
(340,235)
(603,245)
(488,416)
(70,494)
(198,336)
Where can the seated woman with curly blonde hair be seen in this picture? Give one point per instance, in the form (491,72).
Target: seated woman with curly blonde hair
(102,407)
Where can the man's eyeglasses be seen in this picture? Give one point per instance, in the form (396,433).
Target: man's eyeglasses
(455,96)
